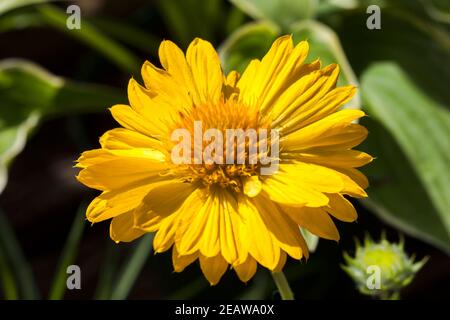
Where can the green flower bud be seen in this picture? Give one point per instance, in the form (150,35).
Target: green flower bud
(381,269)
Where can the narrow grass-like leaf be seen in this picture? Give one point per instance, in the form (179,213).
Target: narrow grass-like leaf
(92,37)
(15,257)
(7,5)
(131,270)
(69,253)
(107,272)
(8,283)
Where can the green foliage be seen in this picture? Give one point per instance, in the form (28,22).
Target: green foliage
(28,93)
(283,12)
(421,128)
(68,254)
(248,42)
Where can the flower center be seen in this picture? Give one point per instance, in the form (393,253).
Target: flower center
(226,143)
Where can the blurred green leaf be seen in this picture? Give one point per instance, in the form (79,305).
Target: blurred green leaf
(324,44)
(131,270)
(107,271)
(188,19)
(249,42)
(18,21)
(128,34)
(282,12)
(403,41)
(92,37)
(7,5)
(8,283)
(190,291)
(438,9)
(68,255)
(28,92)
(311,239)
(13,253)
(421,128)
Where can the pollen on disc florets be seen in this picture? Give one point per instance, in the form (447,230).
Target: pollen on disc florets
(225,115)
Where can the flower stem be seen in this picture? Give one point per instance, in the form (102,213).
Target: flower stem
(283,286)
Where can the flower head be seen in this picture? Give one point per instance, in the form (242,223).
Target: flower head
(220,199)
(396,268)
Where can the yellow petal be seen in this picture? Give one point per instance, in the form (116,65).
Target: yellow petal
(213,268)
(283,230)
(246,81)
(113,203)
(207,73)
(233,244)
(121,228)
(132,120)
(281,263)
(91,157)
(284,77)
(329,131)
(263,247)
(341,208)
(121,138)
(299,184)
(128,168)
(173,226)
(354,182)
(181,262)
(230,84)
(161,201)
(160,85)
(267,71)
(173,60)
(246,270)
(315,109)
(194,214)
(158,109)
(316,220)
(335,158)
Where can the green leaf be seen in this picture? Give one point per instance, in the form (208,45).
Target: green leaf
(107,271)
(311,239)
(421,128)
(28,92)
(131,270)
(325,45)
(7,5)
(15,258)
(68,255)
(92,37)
(249,42)
(282,12)
(188,19)
(189,291)
(8,283)
(128,34)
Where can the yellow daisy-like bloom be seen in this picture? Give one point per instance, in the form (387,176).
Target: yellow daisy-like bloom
(229,214)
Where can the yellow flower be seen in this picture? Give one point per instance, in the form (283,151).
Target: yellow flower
(229,214)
